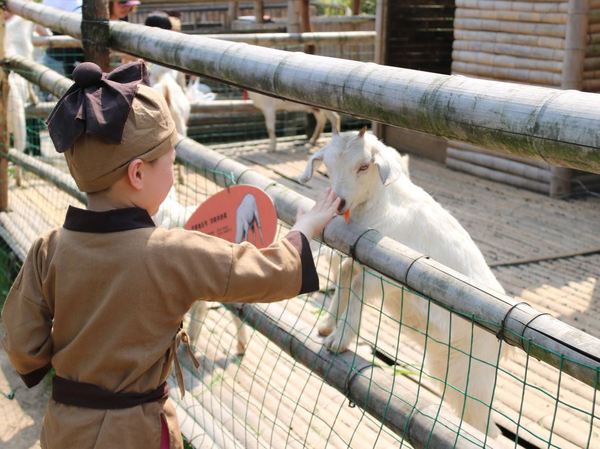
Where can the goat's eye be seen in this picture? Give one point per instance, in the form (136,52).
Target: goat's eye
(363,167)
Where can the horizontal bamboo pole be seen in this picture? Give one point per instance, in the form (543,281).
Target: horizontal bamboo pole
(510,38)
(552,341)
(43,109)
(510,62)
(506,73)
(537,29)
(517,16)
(494,175)
(476,149)
(501,165)
(47,172)
(264,39)
(501,5)
(56,42)
(550,54)
(559,126)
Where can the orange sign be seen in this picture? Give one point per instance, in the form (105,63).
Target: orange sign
(239,213)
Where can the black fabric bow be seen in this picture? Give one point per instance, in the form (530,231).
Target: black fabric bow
(97,104)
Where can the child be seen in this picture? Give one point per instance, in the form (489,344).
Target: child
(101,299)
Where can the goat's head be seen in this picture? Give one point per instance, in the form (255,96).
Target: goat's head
(358,165)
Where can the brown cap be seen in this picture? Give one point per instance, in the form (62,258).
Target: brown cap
(149,132)
(106,120)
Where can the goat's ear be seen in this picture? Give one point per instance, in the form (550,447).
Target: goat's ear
(362,131)
(312,163)
(389,170)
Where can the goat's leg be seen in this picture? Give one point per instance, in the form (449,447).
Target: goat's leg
(242,336)
(474,375)
(320,125)
(338,304)
(348,323)
(335,120)
(198,314)
(270,116)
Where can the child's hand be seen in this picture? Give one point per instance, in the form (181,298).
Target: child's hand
(312,222)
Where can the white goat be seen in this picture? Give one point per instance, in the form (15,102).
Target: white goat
(168,82)
(172,214)
(17,42)
(370,179)
(270,105)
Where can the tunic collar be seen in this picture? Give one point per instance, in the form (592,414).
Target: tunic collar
(115,220)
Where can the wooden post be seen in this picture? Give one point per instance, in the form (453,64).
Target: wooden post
(3,124)
(95,32)
(259,11)
(232,13)
(294,24)
(355,7)
(381,22)
(572,77)
(306,28)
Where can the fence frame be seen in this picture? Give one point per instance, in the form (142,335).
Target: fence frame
(541,123)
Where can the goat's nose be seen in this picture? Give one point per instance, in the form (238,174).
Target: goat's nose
(342,205)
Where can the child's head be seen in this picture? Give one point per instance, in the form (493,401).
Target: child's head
(117,135)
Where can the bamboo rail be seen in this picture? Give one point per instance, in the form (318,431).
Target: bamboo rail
(527,6)
(510,38)
(264,39)
(527,51)
(523,120)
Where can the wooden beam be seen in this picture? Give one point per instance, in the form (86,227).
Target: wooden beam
(306,28)
(355,7)
(259,11)
(95,32)
(4,138)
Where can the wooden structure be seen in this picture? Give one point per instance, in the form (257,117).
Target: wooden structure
(415,34)
(553,44)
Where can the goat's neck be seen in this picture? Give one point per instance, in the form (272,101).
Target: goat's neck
(371,209)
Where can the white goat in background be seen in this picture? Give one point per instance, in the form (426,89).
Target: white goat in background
(168,82)
(372,181)
(270,105)
(18,42)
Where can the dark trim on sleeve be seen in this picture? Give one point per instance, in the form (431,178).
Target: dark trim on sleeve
(35,377)
(310,278)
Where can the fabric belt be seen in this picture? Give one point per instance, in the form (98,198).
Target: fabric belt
(81,394)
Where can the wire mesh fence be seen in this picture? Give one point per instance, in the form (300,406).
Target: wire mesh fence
(270,397)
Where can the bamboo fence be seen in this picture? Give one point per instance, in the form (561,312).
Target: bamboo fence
(522,120)
(543,43)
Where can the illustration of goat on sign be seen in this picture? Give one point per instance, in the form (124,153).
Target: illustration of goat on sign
(247,219)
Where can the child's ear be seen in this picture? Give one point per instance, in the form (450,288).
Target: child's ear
(135,174)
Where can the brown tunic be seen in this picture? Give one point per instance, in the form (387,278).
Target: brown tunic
(101,300)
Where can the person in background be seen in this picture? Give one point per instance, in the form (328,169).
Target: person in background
(120,9)
(59,59)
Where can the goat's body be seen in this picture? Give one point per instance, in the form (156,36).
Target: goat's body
(270,105)
(406,213)
(168,83)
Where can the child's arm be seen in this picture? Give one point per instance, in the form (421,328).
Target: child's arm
(27,321)
(191,265)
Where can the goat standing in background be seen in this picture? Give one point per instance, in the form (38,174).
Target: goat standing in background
(17,42)
(270,105)
(377,193)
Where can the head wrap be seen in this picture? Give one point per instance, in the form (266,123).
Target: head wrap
(98,102)
(106,120)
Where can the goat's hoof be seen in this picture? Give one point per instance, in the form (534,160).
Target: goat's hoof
(240,349)
(326,326)
(325,331)
(337,342)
